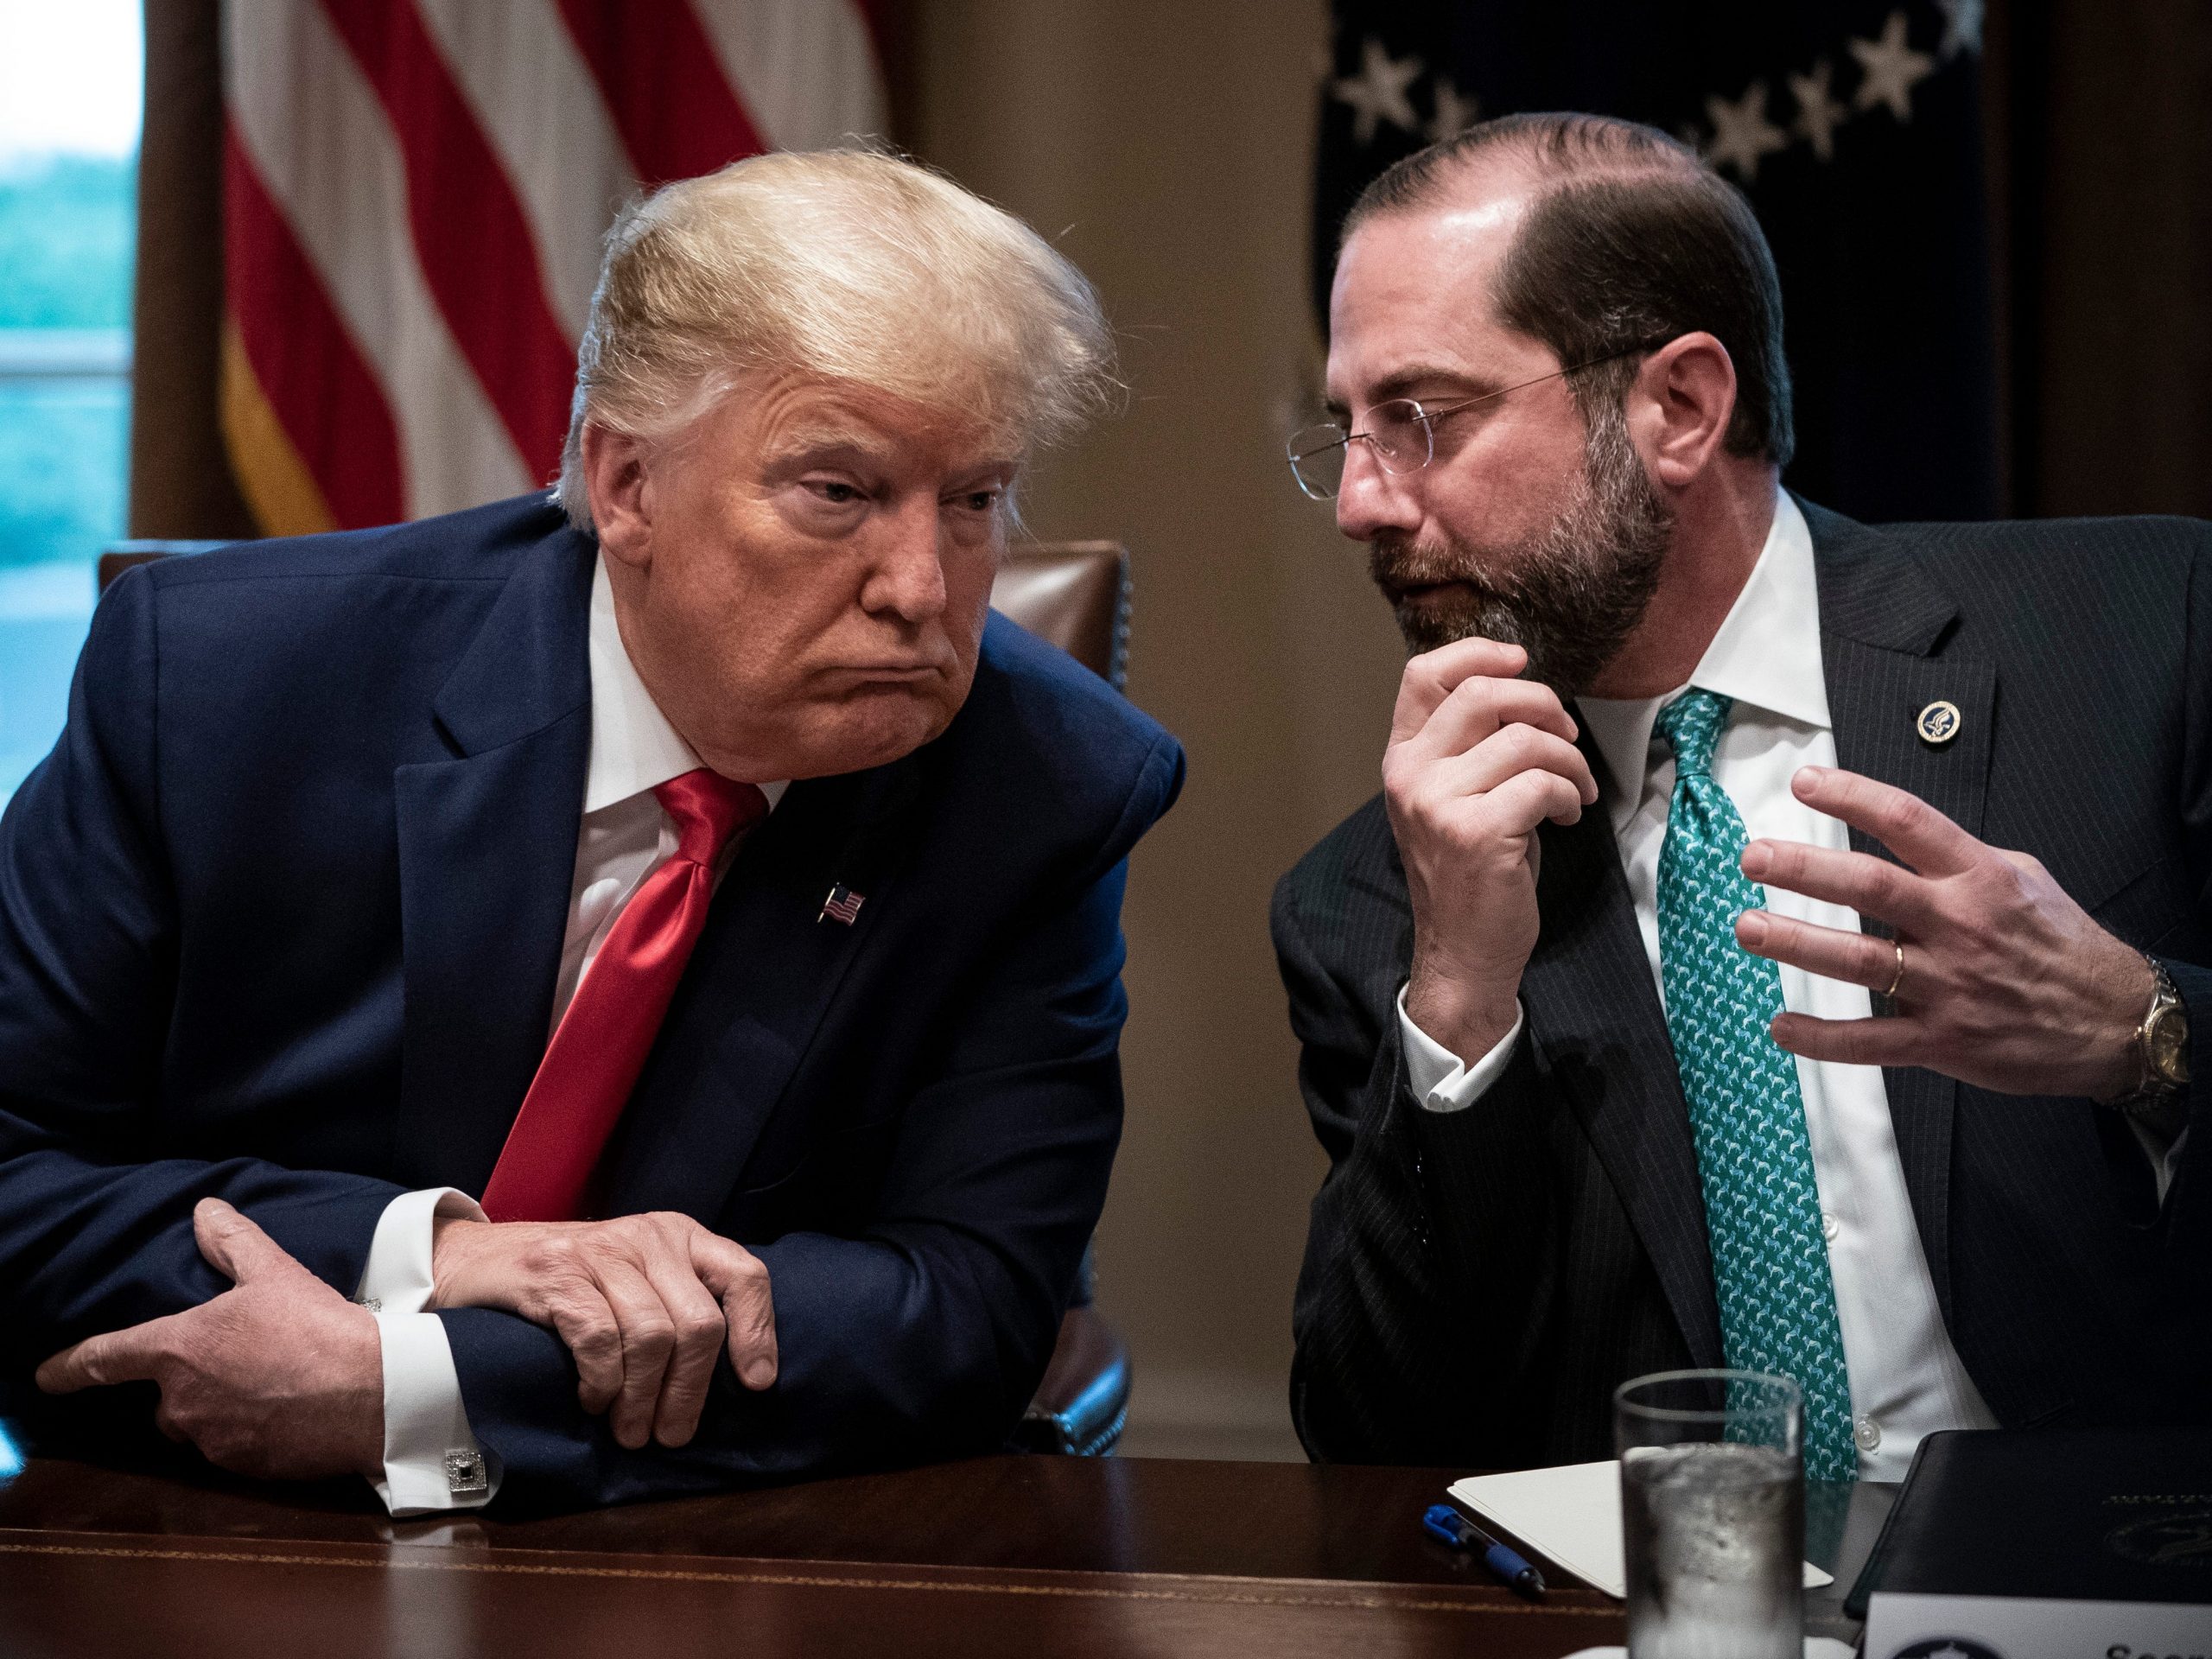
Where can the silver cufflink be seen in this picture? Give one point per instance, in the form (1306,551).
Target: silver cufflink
(465,1474)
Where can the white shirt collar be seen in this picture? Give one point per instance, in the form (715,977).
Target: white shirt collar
(1766,654)
(633,748)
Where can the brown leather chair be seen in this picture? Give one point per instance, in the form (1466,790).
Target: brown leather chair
(119,556)
(1075,594)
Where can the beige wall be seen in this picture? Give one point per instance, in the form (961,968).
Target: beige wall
(1167,149)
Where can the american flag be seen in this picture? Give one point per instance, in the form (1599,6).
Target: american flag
(415,191)
(842,905)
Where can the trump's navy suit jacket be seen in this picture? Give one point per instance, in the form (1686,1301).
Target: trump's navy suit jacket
(280,920)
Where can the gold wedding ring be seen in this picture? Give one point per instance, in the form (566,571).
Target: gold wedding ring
(1898,978)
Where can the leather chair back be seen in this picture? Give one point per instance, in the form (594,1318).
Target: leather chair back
(1075,594)
(119,556)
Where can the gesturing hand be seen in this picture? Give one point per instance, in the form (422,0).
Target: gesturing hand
(2007,985)
(279,1377)
(1477,761)
(644,1303)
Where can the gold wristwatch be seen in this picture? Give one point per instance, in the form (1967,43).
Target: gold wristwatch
(2161,1049)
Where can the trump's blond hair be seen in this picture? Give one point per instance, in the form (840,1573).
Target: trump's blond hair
(851,264)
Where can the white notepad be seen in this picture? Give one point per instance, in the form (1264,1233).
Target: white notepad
(1571,1515)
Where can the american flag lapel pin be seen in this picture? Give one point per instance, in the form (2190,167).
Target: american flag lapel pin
(842,905)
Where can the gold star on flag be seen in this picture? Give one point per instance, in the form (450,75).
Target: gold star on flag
(1742,134)
(1890,69)
(1378,92)
(1819,112)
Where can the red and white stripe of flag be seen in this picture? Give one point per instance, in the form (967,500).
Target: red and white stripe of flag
(415,191)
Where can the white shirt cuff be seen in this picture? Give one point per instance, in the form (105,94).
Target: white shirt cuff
(1439,1078)
(431,1459)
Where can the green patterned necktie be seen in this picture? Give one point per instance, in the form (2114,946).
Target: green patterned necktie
(1747,1116)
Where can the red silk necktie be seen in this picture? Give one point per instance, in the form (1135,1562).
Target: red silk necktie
(600,1045)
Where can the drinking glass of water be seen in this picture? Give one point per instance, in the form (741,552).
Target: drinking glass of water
(1713,1513)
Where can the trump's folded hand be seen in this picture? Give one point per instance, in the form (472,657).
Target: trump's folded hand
(643,1302)
(279,1377)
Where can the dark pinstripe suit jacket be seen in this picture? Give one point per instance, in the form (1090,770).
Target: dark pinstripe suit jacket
(1476,1283)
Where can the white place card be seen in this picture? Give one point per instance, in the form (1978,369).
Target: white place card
(1571,1515)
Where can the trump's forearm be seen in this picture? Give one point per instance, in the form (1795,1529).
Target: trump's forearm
(891,1351)
(88,1245)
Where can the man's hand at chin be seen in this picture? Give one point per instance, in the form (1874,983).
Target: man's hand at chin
(645,1303)
(279,1377)
(1479,760)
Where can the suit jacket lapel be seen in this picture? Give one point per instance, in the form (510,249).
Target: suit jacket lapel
(761,978)
(1883,622)
(1594,1013)
(1595,1017)
(487,849)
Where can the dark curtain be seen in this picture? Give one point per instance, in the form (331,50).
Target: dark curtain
(2104,151)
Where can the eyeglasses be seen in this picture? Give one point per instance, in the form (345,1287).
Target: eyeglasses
(1401,434)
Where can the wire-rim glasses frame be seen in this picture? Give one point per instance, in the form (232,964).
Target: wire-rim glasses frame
(1317,454)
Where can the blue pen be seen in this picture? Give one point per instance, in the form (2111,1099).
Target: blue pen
(1447,1526)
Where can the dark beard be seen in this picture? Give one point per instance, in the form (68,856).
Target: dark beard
(1570,595)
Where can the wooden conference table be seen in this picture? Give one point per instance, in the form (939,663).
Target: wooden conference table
(1013,1555)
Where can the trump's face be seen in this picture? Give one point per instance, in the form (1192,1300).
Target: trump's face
(802,577)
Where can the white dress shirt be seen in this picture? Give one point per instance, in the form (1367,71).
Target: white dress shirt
(624,837)
(1906,1378)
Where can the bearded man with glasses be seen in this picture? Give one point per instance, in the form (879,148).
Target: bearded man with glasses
(1777,940)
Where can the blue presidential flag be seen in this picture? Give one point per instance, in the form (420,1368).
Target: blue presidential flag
(1854,129)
